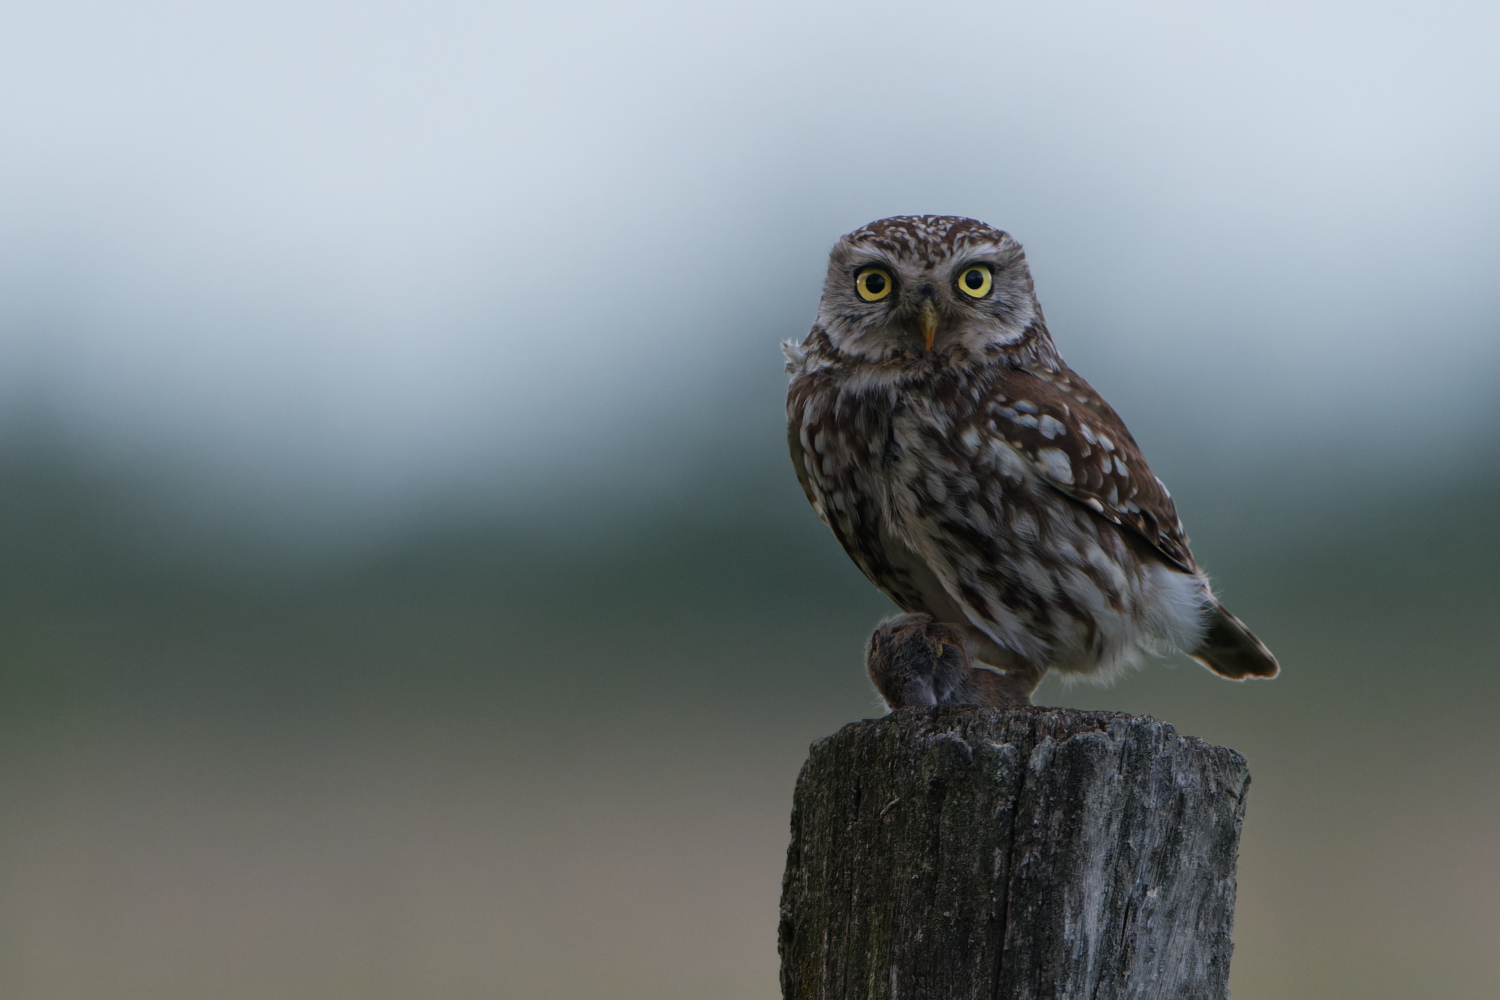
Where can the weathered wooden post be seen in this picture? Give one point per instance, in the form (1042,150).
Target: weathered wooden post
(945,853)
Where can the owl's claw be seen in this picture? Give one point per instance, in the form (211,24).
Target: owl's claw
(915,661)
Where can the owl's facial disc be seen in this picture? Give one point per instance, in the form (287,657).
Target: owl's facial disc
(935,286)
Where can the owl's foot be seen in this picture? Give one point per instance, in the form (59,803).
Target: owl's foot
(1014,687)
(914,660)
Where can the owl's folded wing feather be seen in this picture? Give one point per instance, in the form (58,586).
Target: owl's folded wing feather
(1079,445)
(799,464)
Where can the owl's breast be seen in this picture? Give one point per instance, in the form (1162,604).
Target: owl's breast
(877,464)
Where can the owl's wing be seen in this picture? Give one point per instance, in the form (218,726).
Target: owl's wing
(1079,445)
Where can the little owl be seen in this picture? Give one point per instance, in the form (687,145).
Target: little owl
(981,484)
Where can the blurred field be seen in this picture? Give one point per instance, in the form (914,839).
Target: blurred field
(508,759)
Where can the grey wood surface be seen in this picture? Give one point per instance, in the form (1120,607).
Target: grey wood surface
(1011,854)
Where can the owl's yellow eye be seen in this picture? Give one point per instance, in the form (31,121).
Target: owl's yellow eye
(975,281)
(873,283)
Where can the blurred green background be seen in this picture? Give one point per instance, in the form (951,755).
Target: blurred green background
(403,590)
(501,759)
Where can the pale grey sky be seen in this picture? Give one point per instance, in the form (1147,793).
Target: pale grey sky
(397,245)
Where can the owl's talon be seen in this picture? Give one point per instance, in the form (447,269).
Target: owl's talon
(916,661)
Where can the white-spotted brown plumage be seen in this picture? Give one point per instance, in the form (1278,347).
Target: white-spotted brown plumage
(976,479)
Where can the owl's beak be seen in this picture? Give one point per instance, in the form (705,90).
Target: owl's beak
(928,318)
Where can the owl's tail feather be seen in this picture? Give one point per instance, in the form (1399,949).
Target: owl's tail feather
(1231,650)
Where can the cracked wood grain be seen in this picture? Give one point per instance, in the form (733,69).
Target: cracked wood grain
(1011,855)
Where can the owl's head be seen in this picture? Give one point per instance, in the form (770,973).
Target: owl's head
(926,285)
